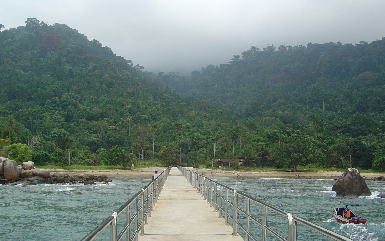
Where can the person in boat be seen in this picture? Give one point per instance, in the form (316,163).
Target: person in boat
(348,213)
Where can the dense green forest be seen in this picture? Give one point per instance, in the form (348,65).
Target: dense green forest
(70,100)
(322,103)
(67,100)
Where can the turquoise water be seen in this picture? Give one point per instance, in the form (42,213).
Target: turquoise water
(314,201)
(60,212)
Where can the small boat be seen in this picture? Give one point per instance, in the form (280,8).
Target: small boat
(345,215)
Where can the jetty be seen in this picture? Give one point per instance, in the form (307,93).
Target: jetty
(181,213)
(182,204)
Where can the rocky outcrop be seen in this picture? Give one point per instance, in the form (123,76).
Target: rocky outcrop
(351,184)
(11,173)
(2,160)
(11,170)
(28,165)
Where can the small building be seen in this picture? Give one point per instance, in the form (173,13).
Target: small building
(228,162)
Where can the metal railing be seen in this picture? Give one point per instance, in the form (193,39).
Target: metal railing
(251,218)
(133,213)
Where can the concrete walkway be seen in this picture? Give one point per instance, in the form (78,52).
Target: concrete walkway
(182,214)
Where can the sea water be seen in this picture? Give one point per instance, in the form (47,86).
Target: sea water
(60,211)
(69,212)
(314,200)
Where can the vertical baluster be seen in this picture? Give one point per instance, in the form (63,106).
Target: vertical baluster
(264,223)
(248,218)
(137,219)
(147,205)
(235,215)
(113,227)
(128,231)
(292,236)
(142,214)
(227,206)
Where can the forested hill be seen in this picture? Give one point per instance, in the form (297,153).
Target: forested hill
(67,100)
(332,92)
(64,98)
(334,77)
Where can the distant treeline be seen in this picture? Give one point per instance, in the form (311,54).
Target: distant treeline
(67,100)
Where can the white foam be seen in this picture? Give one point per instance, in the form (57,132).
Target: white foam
(328,188)
(329,220)
(66,189)
(271,178)
(373,196)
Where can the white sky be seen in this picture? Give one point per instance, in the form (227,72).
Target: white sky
(183,35)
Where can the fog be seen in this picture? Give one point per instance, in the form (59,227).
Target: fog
(182,35)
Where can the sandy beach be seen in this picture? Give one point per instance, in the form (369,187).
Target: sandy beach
(148,172)
(113,173)
(283,174)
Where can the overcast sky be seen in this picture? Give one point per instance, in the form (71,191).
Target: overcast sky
(183,35)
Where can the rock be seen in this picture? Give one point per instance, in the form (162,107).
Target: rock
(2,160)
(381,178)
(11,171)
(35,180)
(28,165)
(382,195)
(41,173)
(26,173)
(89,182)
(351,184)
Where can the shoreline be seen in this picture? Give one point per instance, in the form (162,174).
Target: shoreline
(283,174)
(148,172)
(111,173)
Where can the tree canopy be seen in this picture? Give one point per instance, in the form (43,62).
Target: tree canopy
(66,100)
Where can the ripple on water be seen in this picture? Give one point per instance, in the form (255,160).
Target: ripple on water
(54,211)
(314,200)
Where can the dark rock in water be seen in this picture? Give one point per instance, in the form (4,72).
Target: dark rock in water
(34,180)
(382,195)
(89,183)
(11,171)
(351,184)
(382,178)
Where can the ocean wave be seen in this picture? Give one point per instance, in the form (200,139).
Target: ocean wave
(271,178)
(373,196)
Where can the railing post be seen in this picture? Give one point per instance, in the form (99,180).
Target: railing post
(142,215)
(248,219)
(227,206)
(211,194)
(235,216)
(113,226)
(155,189)
(147,205)
(204,193)
(128,224)
(137,220)
(292,228)
(153,193)
(215,197)
(264,223)
(220,203)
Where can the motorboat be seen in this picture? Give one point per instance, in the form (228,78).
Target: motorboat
(345,215)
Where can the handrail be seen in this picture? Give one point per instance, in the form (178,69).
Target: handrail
(228,206)
(138,208)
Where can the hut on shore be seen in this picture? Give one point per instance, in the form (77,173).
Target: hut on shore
(228,162)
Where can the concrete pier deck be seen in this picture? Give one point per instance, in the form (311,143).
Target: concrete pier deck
(182,214)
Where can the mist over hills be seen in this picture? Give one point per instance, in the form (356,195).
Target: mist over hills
(60,93)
